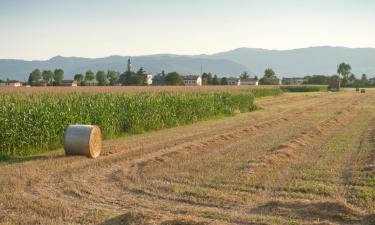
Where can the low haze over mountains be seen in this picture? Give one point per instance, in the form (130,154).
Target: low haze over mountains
(286,63)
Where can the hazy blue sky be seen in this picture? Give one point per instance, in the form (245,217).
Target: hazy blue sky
(40,29)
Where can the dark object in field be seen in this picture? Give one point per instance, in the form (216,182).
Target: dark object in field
(357,90)
(363,91)
(334,86)
(83,140)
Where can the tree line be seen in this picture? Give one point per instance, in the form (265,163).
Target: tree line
(139,78)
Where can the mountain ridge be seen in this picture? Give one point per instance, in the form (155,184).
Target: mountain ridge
(293,62)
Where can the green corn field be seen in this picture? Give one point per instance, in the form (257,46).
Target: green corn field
(33,123)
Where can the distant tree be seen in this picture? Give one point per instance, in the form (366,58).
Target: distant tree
(89,76)
(224,81)
(215,80)
(141,72)
(101,77)
(317,79)
(141,77)
(35,77)
(207,78)
(79,78)
(137,80)
(364,78)
(173,78)
(112,76)
(58,76)
(344,70)
(47,76)
(269,78)
(269,73)
(126,78)
(245,75)
(1,81)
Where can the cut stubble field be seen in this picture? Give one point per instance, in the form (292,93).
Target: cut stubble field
(302,159)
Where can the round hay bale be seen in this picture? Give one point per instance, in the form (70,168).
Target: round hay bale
(83,140)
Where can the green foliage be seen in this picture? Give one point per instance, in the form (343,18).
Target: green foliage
(344,69)
(207,78)
(304,88)
(215,80)
(34,123)
(245,75)
(58,76)
(35,76)
(89,77)
(173,79)
(79,78)
(112,76)
(263,92)
(101,77)
(224,81)
(269,73)
(47,76)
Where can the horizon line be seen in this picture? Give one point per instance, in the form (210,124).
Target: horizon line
(187,55)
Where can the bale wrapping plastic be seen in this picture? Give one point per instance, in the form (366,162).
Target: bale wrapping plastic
(85,140)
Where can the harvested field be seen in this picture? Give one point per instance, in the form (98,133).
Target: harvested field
(303,159)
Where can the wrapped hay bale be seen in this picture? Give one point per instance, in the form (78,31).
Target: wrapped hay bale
(83,140)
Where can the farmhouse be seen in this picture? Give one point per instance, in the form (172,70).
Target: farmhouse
(69,83)
(12,83)
(372,80)
(249,81)
(192,80)
(149,79)
(234,81)
(293,81)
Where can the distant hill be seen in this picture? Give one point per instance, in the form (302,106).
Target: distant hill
(305,61)
(286,63)
(20,69)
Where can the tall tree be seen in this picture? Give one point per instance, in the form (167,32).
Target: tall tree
(269,73)
(112,77)
(35,76)
(141,72)
(79,78)
(58,76)
(141,77)
(245,75)
(224,81)
(173,78)
(89,76)
(215,80)
(364,78)
(47,76)
(101,77)
(344,70)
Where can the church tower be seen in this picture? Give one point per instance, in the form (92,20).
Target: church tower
(129,65)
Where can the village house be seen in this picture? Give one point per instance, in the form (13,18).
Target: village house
(11,83)
(192,80)
(234,81)
(372,80)
(249,81)
(69,83)
(293,80)
(149,79)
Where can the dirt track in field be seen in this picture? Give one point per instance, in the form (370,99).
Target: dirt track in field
(306,158)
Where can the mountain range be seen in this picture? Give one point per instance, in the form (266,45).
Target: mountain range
(286,63)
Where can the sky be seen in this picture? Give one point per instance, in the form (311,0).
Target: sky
(41,29)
